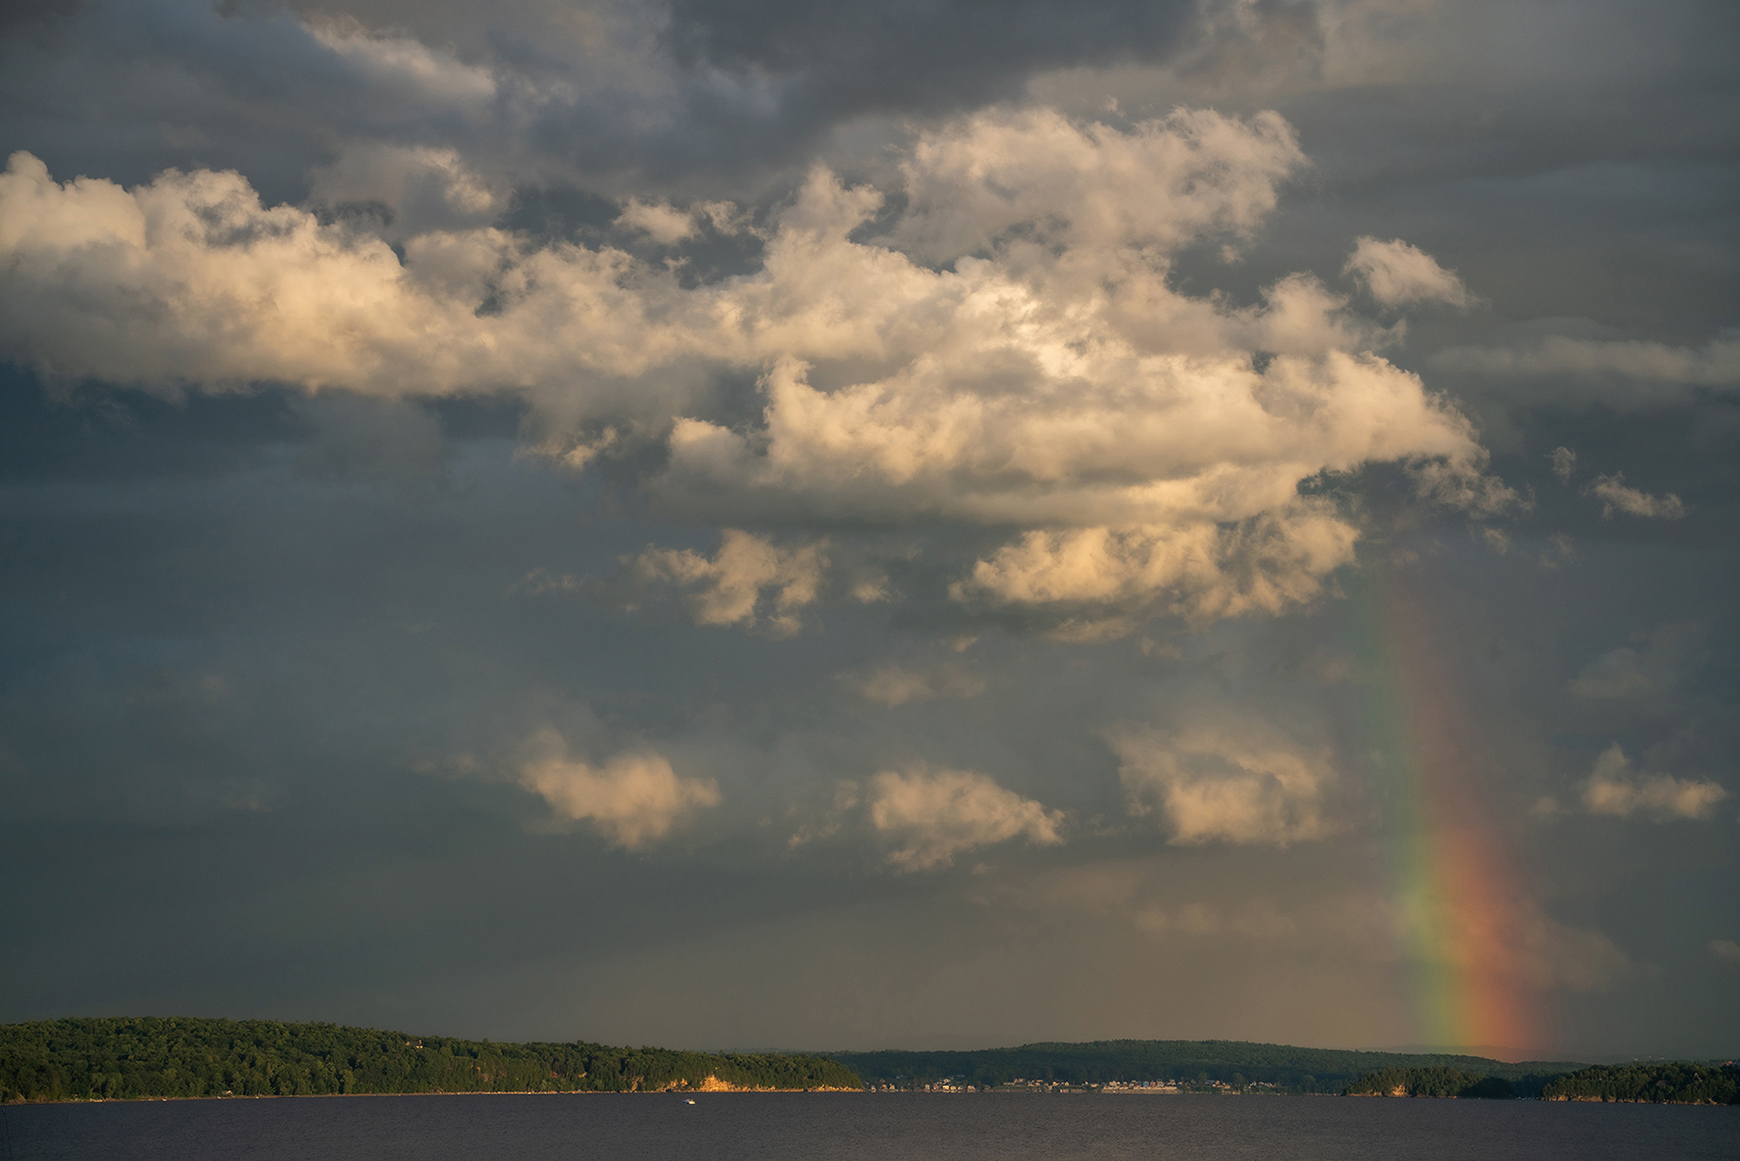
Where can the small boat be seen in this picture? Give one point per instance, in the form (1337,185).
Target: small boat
(688,1100)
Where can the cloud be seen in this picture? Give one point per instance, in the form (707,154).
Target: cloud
(936,815)
(748,577)
(1560,548)
(823,61)
(406,67)
(893,685)
(1023,180)
(190,281)
(1614,788)
(1236,785)
(1616,496)
(1619,674)
(1564,463)
(1398,274)
(1200,571)
(422,187)
(1009,353)
(1255,920)
(633,800)
(1725,949)
(1538,950)
(659,220)
(1649,667)
(1053,378)
(1716,364)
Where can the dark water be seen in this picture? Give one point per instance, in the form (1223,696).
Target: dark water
(853,1127)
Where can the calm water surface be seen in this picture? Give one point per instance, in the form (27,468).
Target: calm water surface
(853,1127)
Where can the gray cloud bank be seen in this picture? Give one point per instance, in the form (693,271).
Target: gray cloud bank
(723,523)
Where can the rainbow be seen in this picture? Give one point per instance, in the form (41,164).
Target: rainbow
(1462,899)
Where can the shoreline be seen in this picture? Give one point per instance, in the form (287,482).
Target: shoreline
(319,1096)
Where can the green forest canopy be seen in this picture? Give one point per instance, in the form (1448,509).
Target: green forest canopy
(1680,1082)
(1438,1081)
(82,1059)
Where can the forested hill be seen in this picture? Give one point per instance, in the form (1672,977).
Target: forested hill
(1433,1082)
(1202,1062)
(1678,1082)
(81,1059)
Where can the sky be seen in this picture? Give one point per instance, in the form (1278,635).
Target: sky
(934,524)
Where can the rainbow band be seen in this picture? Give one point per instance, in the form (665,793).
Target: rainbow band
(1456,885)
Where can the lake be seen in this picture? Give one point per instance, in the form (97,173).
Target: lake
(850,1126)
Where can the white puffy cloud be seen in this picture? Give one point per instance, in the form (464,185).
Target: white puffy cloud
(1011,354)
(658,220)
(1023,182)
(633,800)
(747,574)
(1616,496)
(893,685)
(1237,784)
(1050,378)
(1205,570)
(1564,462)
(189,280)
(1398,274)
(1615,788)
(935,815)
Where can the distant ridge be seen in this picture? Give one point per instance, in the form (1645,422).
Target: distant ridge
(1204,1063)
(1498,1052)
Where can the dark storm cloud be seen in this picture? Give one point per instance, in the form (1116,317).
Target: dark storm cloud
(188,85)
(914,56)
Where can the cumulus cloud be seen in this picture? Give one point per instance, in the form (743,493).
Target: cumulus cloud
(1008,353)
(893,685)
(659,220)
(1725,949)
(748,579)
(1237,785)
(1398,274)
(1204,571)
(1616,496)
(189,280)
(633,800)
(1564,461)
(1021,182)
(935,815)
(421,187)
(1052,379)
(1615,788)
